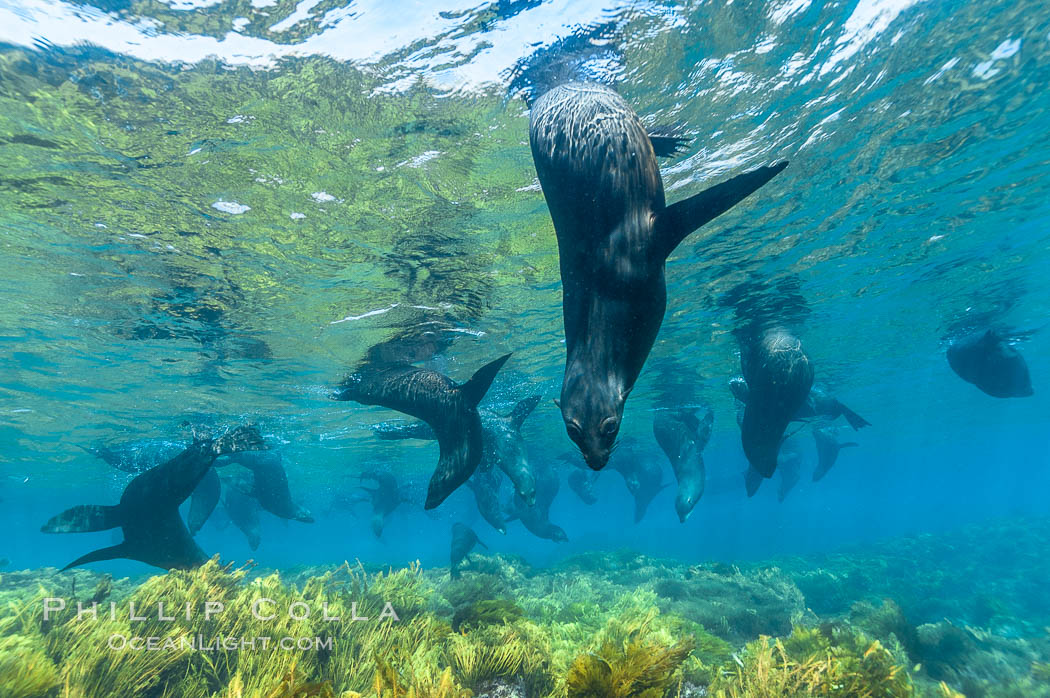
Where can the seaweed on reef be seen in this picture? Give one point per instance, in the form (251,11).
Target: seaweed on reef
(519,651)
(814,662)
(486,612)
(25,670)
(885,622)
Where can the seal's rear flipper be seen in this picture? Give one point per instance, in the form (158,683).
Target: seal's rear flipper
(110,553)
(676,221)
(85,518)
(474,389)
(854,419)
(752,480)
(666,145)
(522,410)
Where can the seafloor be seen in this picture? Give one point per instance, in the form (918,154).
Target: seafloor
(960,613)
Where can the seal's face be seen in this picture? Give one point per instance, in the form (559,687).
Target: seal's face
(684,503)
(593,428)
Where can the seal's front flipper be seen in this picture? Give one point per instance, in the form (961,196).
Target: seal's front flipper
(475,389)
(522,410)
(676,221)
(667,145)
(752,480)
(85,518)
(110,553)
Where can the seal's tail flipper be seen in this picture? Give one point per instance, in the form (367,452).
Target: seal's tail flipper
(474,389)
(110,553)
(478,540)
(85,518)
(752,480)
(522,410)
(854,419)
(667,145)
(676,221)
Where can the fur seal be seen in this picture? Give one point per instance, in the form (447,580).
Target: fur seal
(582,483)
(138,456)
(599,174)
(385,497)
(789,465)
(828,447)
(987,360)
(270,484)
(536,518)
(485,484)
(148,512)
(502,443)
(450,409)
(243,508)
(463,541)
(644,480)
(819,404)
(683,437)
(779,376)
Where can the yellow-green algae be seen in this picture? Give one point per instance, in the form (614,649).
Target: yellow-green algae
(593,637)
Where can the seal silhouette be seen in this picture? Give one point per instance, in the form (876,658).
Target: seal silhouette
(598,170)
(683,436)
(450,409)
(148,512)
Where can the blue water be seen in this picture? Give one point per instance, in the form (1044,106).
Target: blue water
(210,217)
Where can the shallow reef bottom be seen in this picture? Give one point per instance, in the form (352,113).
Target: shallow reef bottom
(964,613)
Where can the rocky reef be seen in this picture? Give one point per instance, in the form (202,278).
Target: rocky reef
(611,625)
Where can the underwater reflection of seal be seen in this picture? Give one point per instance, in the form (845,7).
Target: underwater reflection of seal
(598,171)
(148,512)
(451,410)
(988,361)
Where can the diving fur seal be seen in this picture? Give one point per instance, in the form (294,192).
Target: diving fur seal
(450,409)
(683,436)
(987,360)
(599,174)
(148,512)
(536,518)
(485,484)
(789,465)
(643,478)
(463,541)
(828,447)
(385,497)
(243,508)
(779,376)
(203,500)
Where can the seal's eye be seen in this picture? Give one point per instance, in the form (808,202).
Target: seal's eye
(610,425)
(573,428)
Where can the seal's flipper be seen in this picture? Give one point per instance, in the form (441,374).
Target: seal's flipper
(85,518)
(854,419)
(110,553)
(474,389)
(666,145)
(454,467)
(676,221)
(478,541)
(396,432)
(522,410)
(752,480)
(203,500)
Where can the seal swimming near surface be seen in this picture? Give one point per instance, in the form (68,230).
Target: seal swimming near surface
(599,174)
(450,409)
(987,360)
(502,443)
(779,376)
(683,436)
(148,512)
(828,447)
(819,404)
(137,456)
